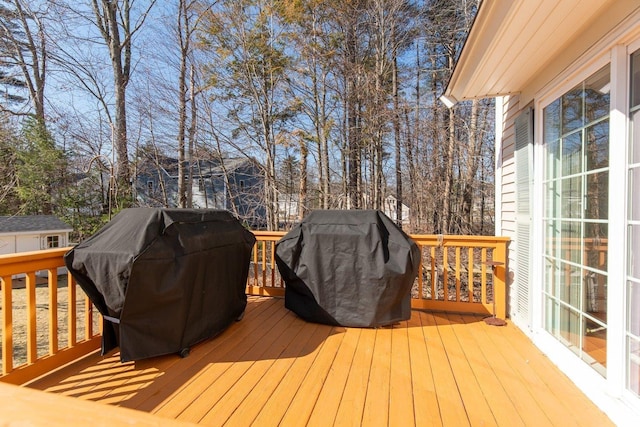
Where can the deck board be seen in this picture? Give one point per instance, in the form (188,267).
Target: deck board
(256,398)
(450,404)
(174,381)
(547,385)
(240,381)
(400,387)
(326,408)
(307,394)
(512,401)
(198,394)
(476,406)
(354,394)
(481,363)
(376,408)
(272,368)
(279,401)
(425,400)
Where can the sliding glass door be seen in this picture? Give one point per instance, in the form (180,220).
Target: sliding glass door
(576,189)
(632,351)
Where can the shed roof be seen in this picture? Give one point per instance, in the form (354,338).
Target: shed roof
(511,42)
(23,223)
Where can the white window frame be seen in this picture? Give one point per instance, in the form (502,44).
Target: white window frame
(624,52)
(597,388)
(49,237)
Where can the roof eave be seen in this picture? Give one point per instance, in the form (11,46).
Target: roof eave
(483,30)
(511,42)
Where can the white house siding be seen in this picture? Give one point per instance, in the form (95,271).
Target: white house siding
(27,243)
(507,171)
(19,243)
(7,245)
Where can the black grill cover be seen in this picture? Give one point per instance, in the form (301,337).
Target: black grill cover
(164,279)
(348,268)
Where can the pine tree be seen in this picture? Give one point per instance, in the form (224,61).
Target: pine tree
(40,168)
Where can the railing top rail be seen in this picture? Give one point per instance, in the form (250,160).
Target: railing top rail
(15,263)
(29,256)
(455,237)
(268,233)
(416,237)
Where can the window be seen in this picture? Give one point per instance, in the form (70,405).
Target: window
(632,330)
(53,242)
(575,219)
(242,184)
(150,186)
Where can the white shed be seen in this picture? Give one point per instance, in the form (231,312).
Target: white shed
(32,233)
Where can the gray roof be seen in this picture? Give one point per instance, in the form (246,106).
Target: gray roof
(201,167)
(23,223)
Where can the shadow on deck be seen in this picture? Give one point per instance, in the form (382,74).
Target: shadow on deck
(272,368)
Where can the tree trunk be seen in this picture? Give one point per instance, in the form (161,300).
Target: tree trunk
(192,137)
(183,38)
(110,17)
(471,170)
(353,145)
(302,197)
(397,140)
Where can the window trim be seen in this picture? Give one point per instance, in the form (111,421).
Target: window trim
(564,82)
(49,238)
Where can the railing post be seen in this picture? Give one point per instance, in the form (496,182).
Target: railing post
(29,264)
(32,338)
(88,318)
(71,311)
(7,325)
(500,279)
(52,279)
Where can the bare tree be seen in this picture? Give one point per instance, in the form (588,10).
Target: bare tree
(327,83)
(113,20)
(185,33)
(79,54)
(250,78)
(23,47)
(314,80)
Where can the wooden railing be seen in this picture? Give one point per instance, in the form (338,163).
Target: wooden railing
(264,278)
(464,274)
(454,273)
(47,320)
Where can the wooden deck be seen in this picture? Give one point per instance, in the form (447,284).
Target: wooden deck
(272,368)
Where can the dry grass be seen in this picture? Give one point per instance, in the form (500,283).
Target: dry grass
(19,315)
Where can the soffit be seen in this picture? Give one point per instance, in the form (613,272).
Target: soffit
(511,41)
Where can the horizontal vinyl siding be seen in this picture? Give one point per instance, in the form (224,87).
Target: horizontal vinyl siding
(507,190)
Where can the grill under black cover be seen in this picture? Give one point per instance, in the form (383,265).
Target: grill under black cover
(348,268)
(164,279)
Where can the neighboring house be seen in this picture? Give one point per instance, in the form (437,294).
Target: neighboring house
(566,78)
(233,184)
(32,233)
(390,209)
(288,209)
